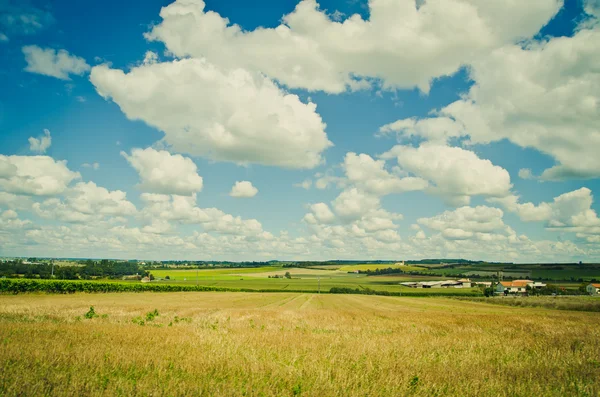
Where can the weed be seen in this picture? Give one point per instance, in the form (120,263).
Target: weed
(91,313)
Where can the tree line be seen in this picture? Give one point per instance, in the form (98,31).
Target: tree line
(86,270)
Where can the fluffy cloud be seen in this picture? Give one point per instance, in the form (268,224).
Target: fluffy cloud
(320,213)
(49,62)
(569,212)
(370,175)
(438,129)
(183,210)
(41,143)
(243,189)
(456,173)
(543,96)
(354,203)
(466,222)
(235,115)
(401,44)
(34,175)
(163,172)
(86,202)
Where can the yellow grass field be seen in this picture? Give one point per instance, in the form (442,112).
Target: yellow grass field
(285,344)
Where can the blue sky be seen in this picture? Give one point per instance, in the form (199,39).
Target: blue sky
(390,130)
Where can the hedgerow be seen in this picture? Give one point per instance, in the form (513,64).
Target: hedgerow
(17,286)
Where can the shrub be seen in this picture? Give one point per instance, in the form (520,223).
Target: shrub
(91,313)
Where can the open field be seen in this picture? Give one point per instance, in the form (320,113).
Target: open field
(303,279)
(285,344)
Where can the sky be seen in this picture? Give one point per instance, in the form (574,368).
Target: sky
(286,130)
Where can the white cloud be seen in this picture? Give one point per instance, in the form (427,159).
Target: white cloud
(370,175)
(354,203)
(464,222)
(569,212)
(456,173)
(183,210)
(525,173)
(35,175)
(320,213)
(41,143)
(544,96)
(49,62)
(163,172)
(438,129)
(243,189)
(400,44)
(86,202)
(94,166)
(234,116)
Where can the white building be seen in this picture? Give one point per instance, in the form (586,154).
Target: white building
(593,289)
(517,286)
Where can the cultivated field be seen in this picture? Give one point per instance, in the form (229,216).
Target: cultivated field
(286,344)
(303,279)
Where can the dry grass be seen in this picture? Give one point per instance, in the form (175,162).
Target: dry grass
(292,344)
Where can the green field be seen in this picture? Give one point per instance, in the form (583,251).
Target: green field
(303,279)
(290,344)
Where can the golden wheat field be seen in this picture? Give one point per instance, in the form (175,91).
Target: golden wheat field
(284,344)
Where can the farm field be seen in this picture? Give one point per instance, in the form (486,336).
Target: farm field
(303,279)
(286,344)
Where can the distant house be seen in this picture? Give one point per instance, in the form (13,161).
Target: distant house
(517,286)
(593,289)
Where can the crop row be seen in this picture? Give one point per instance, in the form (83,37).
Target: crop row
(16,286)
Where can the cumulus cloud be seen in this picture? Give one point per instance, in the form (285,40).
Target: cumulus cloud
(243,189)
(320,213)
(544,95)
(49,62)
(569,212)
(354,203)
(465,222)
(35,175)
(41,143)
(163,172)
(86,202)
(184,210)
(457,174)
(402,44)
(231,115)
(370,175)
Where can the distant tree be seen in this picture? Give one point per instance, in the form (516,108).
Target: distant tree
(288,275)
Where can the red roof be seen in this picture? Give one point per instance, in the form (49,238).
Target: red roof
(596,285)
(516,283)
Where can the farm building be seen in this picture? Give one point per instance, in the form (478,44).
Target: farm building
(517,286)
(593,289)
(462,283)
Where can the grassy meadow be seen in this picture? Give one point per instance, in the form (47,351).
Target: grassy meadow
(302,279)
(286,344)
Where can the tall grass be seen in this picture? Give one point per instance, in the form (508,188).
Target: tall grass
(576,303)
(231,344)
